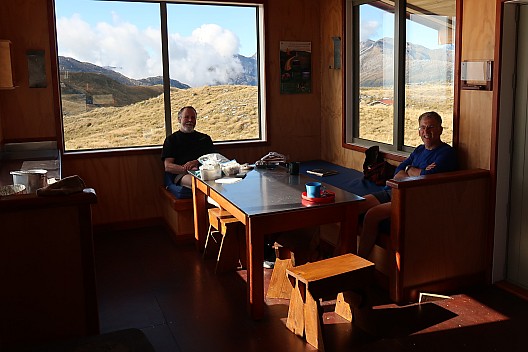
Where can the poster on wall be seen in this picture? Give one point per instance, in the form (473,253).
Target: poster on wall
(296,67)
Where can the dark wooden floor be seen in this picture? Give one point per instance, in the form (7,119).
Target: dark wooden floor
(169,292)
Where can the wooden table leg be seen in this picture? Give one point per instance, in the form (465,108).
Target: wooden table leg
(200,216)
(348,234)
(255,270)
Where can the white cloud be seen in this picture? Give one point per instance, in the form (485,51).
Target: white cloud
(205,57)
(368,28)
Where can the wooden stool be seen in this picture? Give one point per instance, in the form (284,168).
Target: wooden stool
(291,249)
(328,277)
(214,237)
(279,286)
(227,230)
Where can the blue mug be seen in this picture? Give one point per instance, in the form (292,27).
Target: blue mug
(313,189)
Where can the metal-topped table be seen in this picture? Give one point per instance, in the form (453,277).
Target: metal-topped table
(268,201)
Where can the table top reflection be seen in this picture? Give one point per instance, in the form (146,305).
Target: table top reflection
(265,191)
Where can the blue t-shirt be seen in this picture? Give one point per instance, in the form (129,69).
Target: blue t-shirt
(444,156)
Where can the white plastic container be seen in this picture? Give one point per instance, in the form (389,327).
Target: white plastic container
(208,172)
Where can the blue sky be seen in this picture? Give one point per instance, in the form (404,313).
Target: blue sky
(379,24)
(126,36)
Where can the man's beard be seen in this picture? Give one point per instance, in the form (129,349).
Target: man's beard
(187,128)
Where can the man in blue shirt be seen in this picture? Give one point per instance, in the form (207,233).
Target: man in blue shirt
(433,156)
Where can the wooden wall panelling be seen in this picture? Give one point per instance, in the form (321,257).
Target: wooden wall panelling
(243,154)
(331,81)
(478,29)
(475,121)
(26,113)
(126,185)
(1,129)
(294,119)
(332,86)
(475,129)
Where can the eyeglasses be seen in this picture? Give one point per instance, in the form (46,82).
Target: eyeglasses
(424,128)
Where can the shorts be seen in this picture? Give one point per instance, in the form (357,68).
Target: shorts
(384,196)
(177,179)
(173,178)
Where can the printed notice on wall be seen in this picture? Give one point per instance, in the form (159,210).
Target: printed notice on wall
(296,67)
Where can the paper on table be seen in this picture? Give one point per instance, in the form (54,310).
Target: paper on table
(228,180)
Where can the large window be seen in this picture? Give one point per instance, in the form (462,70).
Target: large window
(400,63)
(126,68)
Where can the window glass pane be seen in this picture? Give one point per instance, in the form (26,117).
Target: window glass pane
(213,67)
(376,71)
(430,62)
(110,73)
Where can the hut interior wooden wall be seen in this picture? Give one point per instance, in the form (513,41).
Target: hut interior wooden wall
(127,182)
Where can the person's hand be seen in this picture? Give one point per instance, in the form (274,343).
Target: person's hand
(430,166)
(191,165)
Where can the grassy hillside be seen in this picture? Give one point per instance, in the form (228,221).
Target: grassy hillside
(229,113)
(93,85)
(224,112)
(376,120)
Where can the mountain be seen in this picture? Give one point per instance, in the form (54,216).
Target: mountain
(97,89)
(67,64)
(102,86)
(250,74)
(247,77)
(423,65)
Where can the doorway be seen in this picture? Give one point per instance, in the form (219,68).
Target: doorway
(517,262)
(510,256)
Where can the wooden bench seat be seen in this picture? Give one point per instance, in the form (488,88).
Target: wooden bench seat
(329,277)
(439,238)
(178,216)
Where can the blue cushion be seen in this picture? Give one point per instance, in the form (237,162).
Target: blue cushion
(347,179)
(179,191)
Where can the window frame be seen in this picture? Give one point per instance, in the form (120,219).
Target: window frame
(262,88)
(397,150)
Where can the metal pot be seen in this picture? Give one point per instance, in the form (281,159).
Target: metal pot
(32,179)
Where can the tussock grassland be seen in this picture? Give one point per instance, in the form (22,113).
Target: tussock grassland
(229,113)
(376,119)
(224,112)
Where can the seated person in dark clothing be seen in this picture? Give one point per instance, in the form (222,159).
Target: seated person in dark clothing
(182,149)
(433,156)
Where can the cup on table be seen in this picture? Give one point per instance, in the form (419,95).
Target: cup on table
(313,189)
(293,168)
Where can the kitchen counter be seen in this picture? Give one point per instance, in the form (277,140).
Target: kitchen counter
(32,201)
(26,156)
(48,267)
